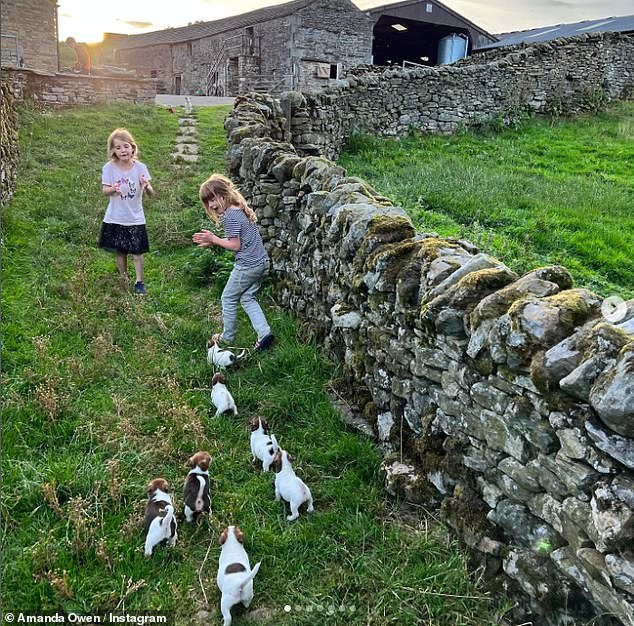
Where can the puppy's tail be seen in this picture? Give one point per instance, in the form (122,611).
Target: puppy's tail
(169,516)
(251,575)
(276,446)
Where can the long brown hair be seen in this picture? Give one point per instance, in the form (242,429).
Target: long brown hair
(221,189)
(121,134)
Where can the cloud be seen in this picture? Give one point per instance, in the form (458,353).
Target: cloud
(136,24)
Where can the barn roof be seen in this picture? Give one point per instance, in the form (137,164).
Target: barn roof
(207,29)
(546,33)
(386,8)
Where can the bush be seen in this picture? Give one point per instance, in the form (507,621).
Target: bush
(206,265)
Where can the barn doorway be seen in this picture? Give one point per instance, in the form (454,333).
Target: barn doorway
(396,39)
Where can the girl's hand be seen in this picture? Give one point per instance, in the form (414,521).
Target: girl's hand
(145,185)
(204,239)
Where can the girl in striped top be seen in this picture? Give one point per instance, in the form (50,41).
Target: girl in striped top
(225,205)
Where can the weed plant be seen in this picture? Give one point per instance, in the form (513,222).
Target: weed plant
(550,191)
(103,391)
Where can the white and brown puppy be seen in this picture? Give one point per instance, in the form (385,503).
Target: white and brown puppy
(220,396)
(196,490)
(160,520)
(235,576)
(289,486)
(263,445)
(219,357)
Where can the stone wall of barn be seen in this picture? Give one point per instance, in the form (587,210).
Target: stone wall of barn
(29,34)
(566,75)
(68,89)
(505,401)
(334,34)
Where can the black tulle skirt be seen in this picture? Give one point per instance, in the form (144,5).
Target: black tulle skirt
(127,239)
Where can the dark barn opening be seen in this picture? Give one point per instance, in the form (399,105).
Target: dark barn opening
(423,32)
(396,40)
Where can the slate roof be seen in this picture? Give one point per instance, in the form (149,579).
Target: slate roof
(546,33)
(207,29)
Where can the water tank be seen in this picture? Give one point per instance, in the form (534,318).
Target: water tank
(452,48)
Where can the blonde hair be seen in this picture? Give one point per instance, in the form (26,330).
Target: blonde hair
(123,135)
(226,194)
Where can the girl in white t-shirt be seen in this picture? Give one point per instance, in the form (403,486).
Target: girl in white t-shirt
(123,231)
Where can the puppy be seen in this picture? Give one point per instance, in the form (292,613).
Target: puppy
(220,396)
(196,490)
(289,486)
(235,576)
(160,521)
(219,357)
(263,445)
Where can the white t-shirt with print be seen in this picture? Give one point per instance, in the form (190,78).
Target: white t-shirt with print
(126,207)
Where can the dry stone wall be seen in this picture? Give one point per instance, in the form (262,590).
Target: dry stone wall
(9,144)
(506,401)
(565,75)
(68,89)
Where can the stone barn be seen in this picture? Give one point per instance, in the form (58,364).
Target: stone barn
(29,34)
(296,45)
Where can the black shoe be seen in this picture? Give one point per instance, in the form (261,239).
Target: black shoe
(139,288)
(265,342)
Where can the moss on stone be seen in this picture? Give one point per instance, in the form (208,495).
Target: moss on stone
(358,185)
(498,304)
(394,226)
(478,284)
(574,308)
(393,257)
(607,333)
(539,373)
(375,300)
(431,247)
(466,294)
(555,274)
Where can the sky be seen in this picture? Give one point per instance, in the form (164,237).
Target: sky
(87,20)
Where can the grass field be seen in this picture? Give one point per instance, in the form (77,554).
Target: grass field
(103,392)
(548,192)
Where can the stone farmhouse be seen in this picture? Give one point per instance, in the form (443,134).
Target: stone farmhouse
(299,45)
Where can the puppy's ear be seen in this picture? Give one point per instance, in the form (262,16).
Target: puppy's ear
(290,457)
(218,378)
(277,462)
(192,462)
(223,536)
(210,343)
(239,535)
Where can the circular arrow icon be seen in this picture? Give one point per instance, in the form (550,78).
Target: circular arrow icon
(614,309)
